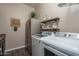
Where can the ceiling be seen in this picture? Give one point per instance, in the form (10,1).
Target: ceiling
(32,4)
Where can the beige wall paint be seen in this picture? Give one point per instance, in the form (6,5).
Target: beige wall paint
(20,11)
(69,16)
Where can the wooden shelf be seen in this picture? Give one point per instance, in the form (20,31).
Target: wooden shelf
(54,19)
(54,29)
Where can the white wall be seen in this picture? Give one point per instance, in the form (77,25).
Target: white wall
(20,11)
(69,16)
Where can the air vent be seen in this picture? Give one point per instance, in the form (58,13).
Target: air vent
(66,4)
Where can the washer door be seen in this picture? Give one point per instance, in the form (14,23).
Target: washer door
(48,53)
(51,51)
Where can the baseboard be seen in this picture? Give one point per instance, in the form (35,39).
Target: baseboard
(15,48)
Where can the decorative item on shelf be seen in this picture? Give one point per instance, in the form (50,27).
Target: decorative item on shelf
(44,18)
(33,15)
(43,26)
(50,24)
(15,23)
(54,25)
(49,17)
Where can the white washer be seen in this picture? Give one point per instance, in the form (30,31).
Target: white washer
(61,45)
(37,48)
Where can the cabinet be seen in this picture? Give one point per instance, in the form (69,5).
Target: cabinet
(2,44)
